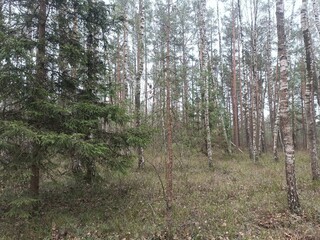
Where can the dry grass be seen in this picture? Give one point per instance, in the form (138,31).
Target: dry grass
(236,200)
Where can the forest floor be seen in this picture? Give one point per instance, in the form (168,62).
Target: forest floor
(237,199)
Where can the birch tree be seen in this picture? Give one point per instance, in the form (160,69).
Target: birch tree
(292,194)
(309,94)
(203,58)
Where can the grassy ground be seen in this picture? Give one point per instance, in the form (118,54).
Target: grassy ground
(236,200)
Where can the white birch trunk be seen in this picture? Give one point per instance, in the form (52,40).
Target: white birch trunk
(293,199)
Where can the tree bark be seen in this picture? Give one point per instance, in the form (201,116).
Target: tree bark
(234,96)
(204,69)
(169,160)
(40,83)
(309,100)
(140,65)
(254,83)
(293,199)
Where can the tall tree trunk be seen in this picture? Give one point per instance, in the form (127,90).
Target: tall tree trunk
(276,116)
(1,10)
(247,104)
(315,4)
(204,69)
(40,83)
(125,58)
(302,97)
(234,95)
(269,79)
(293,199)
(309,102)
(140,64)
(262,145)
(169,160)
(89,83)
(185,79)
(146,84)
(254,83)
(221,102)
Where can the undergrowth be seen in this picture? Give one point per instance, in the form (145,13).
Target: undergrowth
(237,199)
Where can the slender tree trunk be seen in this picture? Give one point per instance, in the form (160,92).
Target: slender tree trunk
(140,64)
(146,85)
(40,83)
(254,85)
(169,160)
(234,95)
(204,69)
(1,9)
(276,116)
(270,82)
(309,102)
(222,102)
(118,75)
(262,146)
(89,84)
(185,80)
(315,4)
(275,135)
(293,199)
(302,97)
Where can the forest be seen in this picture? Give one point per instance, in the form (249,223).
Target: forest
(143,119)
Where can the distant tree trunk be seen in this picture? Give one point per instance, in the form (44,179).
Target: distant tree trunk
(302,97)
(41,81)
(254,99)
(125,58)
(169,160)
(275,135)
(276,116)
(247,104)
(89,83)
(293,199)
(140,64)
(309,101)
(222,102)
(254,85)
(315,4)
(1,9)
(146,84)
(262,145)
(204,69)
(241,124)
(234,95)
(118,75)
(270,85)
(185,79)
